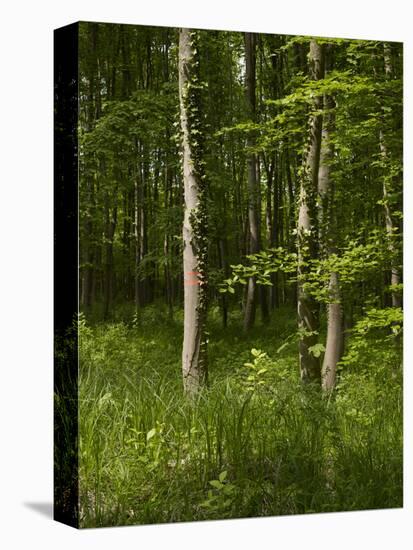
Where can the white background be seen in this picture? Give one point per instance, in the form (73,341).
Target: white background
(26,271)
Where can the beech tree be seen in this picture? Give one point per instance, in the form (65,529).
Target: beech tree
(328,234)
(306,225)
(194,363)
(253,184)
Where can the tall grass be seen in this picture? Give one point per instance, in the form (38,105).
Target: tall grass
(256,443)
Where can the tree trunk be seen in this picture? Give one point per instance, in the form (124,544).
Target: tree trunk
(144,287)
(168,203)
(307,309)
(253,192)
(168,195)
(194,365)
(263,294)
(222,249)
(110,226)
(335,335)
(395,278)
(137,223)
(327,234)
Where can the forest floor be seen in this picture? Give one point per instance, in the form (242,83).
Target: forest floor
(256,442)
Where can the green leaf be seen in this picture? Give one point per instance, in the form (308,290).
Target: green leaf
(215,483)
(316,350)
(222,476)
(150,434)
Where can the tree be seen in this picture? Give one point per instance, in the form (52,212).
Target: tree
(306,226)
(194,361)
(328,234)
(253,186)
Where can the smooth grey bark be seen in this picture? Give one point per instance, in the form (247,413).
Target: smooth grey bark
(253,190)
(327,235)
(194,368)
(334,341)
(307,309)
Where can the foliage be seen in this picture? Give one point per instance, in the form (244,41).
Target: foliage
(147,455)
(377,335)
(355,262)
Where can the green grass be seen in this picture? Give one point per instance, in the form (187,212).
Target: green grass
(256,443)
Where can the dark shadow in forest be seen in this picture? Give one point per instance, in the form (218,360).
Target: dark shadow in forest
(42,508)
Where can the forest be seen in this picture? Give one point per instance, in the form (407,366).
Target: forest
(240,243)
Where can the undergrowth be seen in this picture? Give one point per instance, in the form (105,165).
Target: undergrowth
(256,442)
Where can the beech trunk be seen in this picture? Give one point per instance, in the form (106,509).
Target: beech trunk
(328,224)
(194,366)
(307,309)
(253,192)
